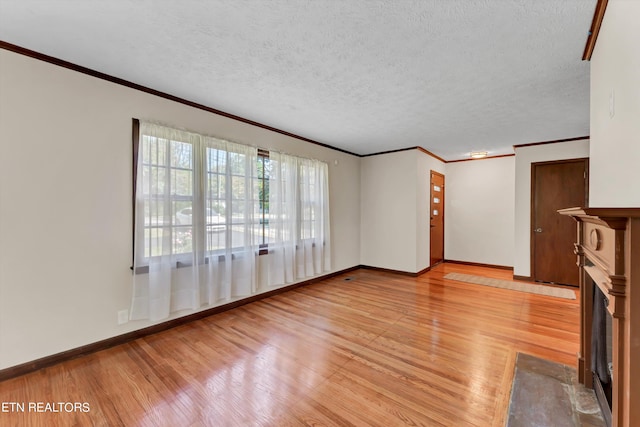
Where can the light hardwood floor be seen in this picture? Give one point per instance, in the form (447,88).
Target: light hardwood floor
(379,350)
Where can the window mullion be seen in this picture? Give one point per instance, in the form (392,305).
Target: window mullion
(153,207)
(147,200)
(166,202)
(198,200)
(299,208)
(228,200)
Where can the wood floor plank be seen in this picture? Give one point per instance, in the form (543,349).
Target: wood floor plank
(380,349)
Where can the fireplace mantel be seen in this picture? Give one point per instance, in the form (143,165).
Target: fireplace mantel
(608,250)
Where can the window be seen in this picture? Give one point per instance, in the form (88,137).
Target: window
(308,201)
(202,194)
(167,184)
(199,194)
(230,188)
(206,208)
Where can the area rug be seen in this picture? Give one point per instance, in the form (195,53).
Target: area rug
(546,393)
(551,291)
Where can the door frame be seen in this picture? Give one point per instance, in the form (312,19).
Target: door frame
(532,247)
(431,173)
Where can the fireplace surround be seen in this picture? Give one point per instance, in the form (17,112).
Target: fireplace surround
(608,254)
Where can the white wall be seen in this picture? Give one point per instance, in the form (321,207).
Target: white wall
(480,211)
(524,157)
(426,164)
(65,201)
(395,210)
(388,211)
(615,141)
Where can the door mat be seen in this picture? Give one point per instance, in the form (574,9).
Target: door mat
(515,286)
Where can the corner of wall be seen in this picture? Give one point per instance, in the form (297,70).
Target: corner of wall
(425,163)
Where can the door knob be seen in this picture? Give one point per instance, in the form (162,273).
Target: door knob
(538,230)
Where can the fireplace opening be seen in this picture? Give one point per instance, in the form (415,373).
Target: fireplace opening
(602,351)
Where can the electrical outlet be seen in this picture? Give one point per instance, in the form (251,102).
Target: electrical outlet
(123,316)
(612,103)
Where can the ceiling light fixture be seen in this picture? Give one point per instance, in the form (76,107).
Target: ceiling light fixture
(478,154)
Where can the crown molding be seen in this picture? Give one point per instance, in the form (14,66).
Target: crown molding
(555,141)
(596,23)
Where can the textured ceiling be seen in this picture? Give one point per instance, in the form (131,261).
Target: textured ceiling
(451,76)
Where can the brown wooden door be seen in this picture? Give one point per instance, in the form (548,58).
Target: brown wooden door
(437,218)
(556,185)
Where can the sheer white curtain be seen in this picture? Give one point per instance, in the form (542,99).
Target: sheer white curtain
(202,216)
(283,218)
(230,187)
(313,255)
(164,191)
(195,222)
(299,245)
